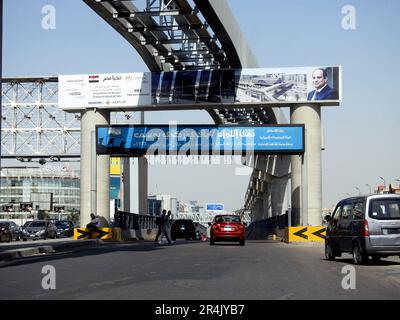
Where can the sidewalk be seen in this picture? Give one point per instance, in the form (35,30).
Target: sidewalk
(15,250)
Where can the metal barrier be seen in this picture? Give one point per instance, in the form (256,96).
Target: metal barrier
(133,221)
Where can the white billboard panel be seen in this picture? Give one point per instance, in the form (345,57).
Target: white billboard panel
(104,90)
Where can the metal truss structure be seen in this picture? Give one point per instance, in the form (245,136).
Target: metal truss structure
(173,35)
(32,125)
(169,35)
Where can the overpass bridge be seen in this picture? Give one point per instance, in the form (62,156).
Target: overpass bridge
(179,35)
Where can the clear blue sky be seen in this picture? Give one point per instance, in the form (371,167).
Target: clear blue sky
(361,136)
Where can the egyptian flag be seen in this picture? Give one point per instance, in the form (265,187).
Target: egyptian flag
(93,79)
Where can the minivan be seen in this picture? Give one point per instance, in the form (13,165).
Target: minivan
(365,226)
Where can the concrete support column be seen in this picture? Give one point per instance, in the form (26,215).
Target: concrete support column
(135,184)
(306,174)
(95,193)
(139,185)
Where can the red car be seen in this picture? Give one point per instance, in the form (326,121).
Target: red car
(227,228)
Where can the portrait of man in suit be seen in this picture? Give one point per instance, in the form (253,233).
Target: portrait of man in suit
(322,90)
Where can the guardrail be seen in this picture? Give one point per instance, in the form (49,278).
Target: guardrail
(134,221)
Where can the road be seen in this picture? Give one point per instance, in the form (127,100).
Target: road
(196,270)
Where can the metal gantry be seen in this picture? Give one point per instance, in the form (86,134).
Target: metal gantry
(32,125)
(170,35)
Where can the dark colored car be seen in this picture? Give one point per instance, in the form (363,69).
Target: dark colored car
(183,228)
(39,229)
(15,229)
(227,228)
(65,228)
(5,232)
(364,226)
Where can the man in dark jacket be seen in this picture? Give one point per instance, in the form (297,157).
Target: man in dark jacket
(322,90)
(160,224)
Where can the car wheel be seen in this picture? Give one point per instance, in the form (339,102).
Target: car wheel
(358,256)
(242,242)
(329,252)
(212,241)
(24,239)
(10,239)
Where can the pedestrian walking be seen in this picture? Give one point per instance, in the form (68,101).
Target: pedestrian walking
(159,222)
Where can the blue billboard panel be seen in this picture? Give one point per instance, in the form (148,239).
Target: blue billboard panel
(138,140)
(214,207)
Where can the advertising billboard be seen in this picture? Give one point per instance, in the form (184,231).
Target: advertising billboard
(201,88)
(138,140)
(115,166)
(111,90)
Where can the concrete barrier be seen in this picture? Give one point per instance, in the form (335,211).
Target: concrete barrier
(142,234)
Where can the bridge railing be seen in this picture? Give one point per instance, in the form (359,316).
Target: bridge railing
(128,220)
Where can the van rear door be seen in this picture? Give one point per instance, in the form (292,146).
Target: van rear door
(384,221)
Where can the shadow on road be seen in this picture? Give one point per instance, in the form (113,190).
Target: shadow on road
(369,263)
(106,248)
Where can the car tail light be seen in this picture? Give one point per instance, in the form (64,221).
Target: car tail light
(215,226)
(366,228)
(240,227)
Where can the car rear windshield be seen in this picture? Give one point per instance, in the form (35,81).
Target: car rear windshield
(187,222)
(36,224)
(385,209)
(227,219)
(62,223)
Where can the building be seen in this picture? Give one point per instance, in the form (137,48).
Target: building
(26,190)
(157,203)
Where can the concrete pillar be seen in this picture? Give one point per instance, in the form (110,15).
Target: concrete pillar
(135,184)
(100,186)
(139,185)
(307,200)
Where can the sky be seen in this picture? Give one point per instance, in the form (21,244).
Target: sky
(361,135)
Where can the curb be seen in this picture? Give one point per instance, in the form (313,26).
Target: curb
(46,249)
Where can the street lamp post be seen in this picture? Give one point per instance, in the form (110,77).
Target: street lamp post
(359,191)
(384,183)
(370,192)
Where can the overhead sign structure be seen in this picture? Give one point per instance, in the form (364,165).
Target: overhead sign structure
(201,88)
(139,140)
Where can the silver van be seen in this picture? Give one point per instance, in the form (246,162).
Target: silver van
(364,226)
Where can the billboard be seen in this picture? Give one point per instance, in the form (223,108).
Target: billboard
(201,88)
(111,90)
(115,166)
(138,140)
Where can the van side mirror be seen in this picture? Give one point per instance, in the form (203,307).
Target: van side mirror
(209,224)
(245,224)
(328,218)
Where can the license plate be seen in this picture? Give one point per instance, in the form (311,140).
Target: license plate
(227,229)
(391,231)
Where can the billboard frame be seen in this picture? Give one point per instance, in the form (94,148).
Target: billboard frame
(233,152)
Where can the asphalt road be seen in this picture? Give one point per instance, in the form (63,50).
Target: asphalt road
(196,270)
